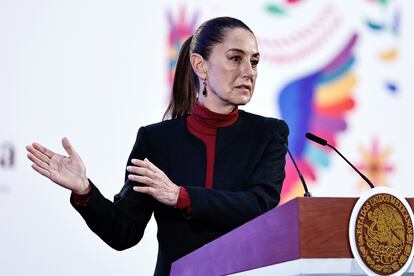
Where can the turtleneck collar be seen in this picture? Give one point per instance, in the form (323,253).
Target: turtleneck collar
(213,120)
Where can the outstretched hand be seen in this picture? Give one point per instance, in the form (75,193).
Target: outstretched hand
(66,171)
(157,184)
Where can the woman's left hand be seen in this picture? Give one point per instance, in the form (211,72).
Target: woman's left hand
(158,185)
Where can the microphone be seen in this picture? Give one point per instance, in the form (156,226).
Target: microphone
(305,187)
(323,142)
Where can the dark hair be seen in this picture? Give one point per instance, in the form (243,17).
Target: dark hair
(186,85)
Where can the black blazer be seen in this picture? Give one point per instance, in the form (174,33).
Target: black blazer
(248,175)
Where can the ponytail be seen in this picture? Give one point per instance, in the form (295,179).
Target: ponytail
(185,85)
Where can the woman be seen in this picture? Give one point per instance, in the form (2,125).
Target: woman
(205,171)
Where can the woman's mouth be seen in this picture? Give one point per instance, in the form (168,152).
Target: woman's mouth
(244,87)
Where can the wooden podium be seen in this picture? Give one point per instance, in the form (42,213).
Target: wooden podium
(303,236)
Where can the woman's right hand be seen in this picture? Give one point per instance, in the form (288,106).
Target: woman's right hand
(66,171)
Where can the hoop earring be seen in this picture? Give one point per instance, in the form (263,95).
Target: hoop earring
(205,88)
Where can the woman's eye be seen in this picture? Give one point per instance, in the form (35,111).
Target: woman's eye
(254,62)
(236,58)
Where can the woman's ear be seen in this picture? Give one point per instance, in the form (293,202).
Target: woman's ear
(199,65)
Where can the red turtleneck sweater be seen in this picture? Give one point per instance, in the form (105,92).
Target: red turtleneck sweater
(203,124)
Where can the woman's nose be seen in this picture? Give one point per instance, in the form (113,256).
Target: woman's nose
(248,70)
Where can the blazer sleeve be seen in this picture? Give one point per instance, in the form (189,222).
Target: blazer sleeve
(233,208)
(120,223)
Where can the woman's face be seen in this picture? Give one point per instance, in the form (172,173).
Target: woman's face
(232,70)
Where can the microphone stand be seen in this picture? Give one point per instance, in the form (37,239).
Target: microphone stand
(360,173)
(307,193)
(323,142)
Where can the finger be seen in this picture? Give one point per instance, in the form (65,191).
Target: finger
(68,146)
(145,190)
(43,150)
(152,167)
(38,154)
(40,170)
(37,161)
(140,170)
(141,179)
(144,163)
(139,163)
